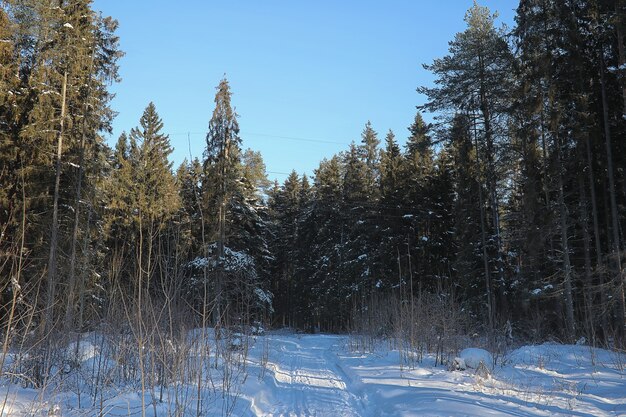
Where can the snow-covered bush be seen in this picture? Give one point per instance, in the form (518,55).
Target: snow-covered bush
(240,282)
(457,364)
(474,357)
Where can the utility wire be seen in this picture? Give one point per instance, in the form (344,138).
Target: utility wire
(299,139)
(295,138)
(267,135)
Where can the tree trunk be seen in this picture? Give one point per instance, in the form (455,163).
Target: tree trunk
(483,238)
(491,174)
(54,235)
(83,273)
(620,10)
(619,280)
(219,284)
(588,281)
(412,315)
(71,285)
(596,235)
(567,266)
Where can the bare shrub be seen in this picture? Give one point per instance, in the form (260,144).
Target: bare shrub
(429,323)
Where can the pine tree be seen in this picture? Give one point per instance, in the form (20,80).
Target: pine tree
(556,63)
(476,77)
(254,170)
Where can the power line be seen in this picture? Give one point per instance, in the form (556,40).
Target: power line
(295,138)
(267,135)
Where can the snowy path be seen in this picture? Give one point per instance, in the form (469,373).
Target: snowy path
(291,375)
(315,375)
(307,381)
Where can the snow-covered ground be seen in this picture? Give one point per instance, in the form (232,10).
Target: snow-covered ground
(318,375)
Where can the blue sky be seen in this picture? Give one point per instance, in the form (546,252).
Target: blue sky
(305,76)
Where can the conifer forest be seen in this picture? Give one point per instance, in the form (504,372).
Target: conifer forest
(501,219)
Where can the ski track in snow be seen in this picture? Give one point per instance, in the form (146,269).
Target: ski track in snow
(291,375)
(315,375)
(307,381)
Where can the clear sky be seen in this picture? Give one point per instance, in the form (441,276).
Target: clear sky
(306,75)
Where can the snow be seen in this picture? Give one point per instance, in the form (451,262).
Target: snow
(263,296)
(473,357)
(538,291)
(289,374)
(234,261)
(199,263)
(458,364)
(82,351)
(616,69)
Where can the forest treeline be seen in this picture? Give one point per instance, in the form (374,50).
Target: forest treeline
(508,209)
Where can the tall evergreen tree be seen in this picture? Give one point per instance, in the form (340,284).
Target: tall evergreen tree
(232,207)
(325,231)
(370,155)
(417,177)
(142,200)
(469,262)
(62,61)
(286,207)
(221,171)
(476,77)
(149,155)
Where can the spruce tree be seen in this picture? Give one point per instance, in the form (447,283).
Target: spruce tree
(417,176)
(326,231)
(149,155)
(63,59)
(236,222)
(390,166)
(393,214)
(370,155)
(286,207)
(142,200)
(469,262)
